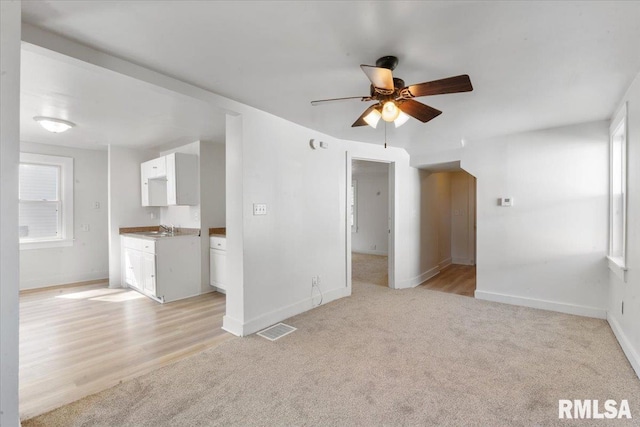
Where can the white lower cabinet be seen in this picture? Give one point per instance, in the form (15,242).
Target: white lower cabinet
(148,273)
(164,269)
(218,262)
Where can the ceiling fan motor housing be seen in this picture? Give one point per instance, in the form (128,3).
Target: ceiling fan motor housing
(390,62)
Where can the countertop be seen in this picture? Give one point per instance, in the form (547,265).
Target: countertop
(147,232)
(219,231)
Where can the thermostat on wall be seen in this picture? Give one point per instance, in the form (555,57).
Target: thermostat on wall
(506,201)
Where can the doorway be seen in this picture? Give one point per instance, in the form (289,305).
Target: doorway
(454,194)
(370,222)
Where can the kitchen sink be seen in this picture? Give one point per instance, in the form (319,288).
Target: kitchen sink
(157,233)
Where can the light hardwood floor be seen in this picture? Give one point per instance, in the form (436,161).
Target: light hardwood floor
(454,279)
(76,341)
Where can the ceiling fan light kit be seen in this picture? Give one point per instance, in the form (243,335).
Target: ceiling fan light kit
(394,100)
(373,118)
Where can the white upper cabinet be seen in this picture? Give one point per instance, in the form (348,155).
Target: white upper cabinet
(170,180)
(182,179)
(156,168)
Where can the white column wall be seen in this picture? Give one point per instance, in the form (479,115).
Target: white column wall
(10,28)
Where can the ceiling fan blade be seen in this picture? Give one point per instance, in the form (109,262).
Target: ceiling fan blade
(360,121)
(380,77)
(322,101)
(437,87)
(422,112)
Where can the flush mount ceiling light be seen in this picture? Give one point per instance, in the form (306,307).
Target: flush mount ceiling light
(54,125)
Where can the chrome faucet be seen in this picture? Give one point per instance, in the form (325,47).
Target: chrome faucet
(171,229)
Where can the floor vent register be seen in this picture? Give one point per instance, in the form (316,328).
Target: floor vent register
(276,332)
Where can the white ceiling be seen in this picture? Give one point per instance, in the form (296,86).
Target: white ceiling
(533,64)
(107,108)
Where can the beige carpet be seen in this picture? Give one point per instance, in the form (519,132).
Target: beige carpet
(372,269)
(382,357)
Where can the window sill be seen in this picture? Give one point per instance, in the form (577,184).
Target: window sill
(46,244)
(618,267)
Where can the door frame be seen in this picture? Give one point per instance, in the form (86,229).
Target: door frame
(391,215)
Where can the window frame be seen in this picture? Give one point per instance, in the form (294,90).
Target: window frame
(65,218)
(619,124)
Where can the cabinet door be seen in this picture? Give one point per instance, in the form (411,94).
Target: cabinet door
(133,268)
(182,179)
(158,167)
(149,273)
(172,197)
(218,268)
(144,185)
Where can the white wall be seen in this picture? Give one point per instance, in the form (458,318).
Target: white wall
(443,200)
(548,250)
(88,258)
(125,208)
(627,326)
(9,160)
(462,218)
(372,236)
(435,223)
(304,231)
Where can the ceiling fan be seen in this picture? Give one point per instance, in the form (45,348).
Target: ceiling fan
(394,100)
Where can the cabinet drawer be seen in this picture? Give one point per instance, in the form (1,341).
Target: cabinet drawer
(216,242)
(148,246)
(143,245)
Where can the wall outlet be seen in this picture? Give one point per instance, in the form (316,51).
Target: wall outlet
(373,247)
(314,281)
(259,208)
(96,205)
(84,227)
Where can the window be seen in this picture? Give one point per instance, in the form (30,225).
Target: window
(354,206)
(618,192)
(46,201)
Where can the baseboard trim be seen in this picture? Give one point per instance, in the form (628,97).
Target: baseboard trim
(367,252)
(418,280)
(231,325)
(578,310)
(462,261)
(444,263)
(259,323)
(65,285)
(627,348)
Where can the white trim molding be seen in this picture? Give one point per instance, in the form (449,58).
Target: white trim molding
(420,279)
(578,310)
(627,348)
(256,324)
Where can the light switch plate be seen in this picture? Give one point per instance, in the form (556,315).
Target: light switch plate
(259,208)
